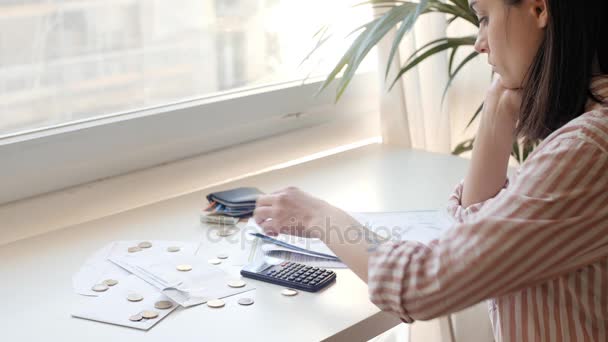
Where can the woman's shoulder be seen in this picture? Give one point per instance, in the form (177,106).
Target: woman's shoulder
(592,125)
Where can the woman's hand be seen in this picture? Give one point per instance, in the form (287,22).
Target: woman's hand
(501,107)
(292,211)
(493,144)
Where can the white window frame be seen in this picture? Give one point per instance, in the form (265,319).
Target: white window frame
(51,159)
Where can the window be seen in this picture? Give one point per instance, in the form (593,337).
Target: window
(90,89)
(66,61)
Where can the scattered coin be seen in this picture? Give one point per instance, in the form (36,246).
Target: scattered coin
(289,292)
(99,287)
(215,303)
(149,314)
(236,283)
(110,282)
(163,305)
(222,256)
(136,318)
(134,249)
(145,244)
(215,261)
(135,297)
(184,268)
(245,301)
(173,249)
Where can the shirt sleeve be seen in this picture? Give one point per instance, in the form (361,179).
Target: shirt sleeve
(462,214)
(550,221)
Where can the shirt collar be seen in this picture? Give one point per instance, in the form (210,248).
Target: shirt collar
(599,88)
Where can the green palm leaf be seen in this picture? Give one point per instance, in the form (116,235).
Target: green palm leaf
(446,43)
(405,27)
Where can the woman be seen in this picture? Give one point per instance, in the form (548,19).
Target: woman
(535,247)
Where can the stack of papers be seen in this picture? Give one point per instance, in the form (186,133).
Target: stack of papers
(122,280)
(422,226)
(312,252)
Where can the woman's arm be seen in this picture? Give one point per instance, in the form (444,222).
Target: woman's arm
(493,144)
(295,212)
(545,225)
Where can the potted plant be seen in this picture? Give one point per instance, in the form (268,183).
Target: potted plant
(403,15)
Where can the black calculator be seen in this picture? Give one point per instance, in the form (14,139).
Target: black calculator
(290,274)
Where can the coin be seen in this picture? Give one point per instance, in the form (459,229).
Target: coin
(145,244)
(134,249)
(110,282)
(215,303)
(222,256)
(184,268)
(173,249)
(163,305)
(136,318)
(215,261)
(289,292)
(99,287)
(245,301)
(134,297)
(149,314)
(236,283)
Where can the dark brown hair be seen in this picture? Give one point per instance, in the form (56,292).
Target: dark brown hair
(556,87)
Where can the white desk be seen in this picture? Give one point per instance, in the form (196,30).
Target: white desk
(35,274)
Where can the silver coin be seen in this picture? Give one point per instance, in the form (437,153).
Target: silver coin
(135,297)
(215,303)
(163,305)
(289,292)
(184,268)
(149,314)
(173,249)
(136,318)
(245,301)
(215,261)
(222,256)
(110,282)
(144,244)
(100,287)
(134,249)
(236,283)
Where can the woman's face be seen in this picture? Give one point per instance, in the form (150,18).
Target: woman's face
(511,36)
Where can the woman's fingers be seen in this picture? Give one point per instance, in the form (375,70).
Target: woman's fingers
(270,227)
(261,214)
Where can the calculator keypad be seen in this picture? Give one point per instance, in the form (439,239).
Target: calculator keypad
(297,276)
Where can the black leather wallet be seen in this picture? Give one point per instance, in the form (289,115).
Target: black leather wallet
(237,202)
(235,197)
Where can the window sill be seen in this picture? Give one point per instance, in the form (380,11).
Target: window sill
(63,208)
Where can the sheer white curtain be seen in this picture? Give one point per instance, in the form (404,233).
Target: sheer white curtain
(412,115)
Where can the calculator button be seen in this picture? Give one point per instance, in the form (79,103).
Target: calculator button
(314,282)
(305,281)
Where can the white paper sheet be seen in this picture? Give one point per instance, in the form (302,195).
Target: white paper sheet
(113,307)
(98,268)
(423,226)
(190,288)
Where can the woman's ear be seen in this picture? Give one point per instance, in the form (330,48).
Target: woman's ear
(540,12)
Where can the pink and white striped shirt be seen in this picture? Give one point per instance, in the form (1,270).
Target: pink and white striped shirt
(537,251)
